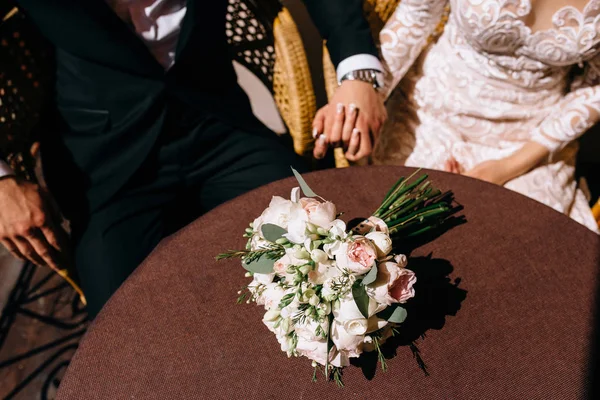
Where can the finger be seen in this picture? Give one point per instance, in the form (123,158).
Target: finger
(27,250)
(365,146)
(328,118)
(58,239)
(334,136)
(353,145)
(448,166)
(44,250)
(349,122)
(12,249)
(458,168)
(320,147)
(319,122)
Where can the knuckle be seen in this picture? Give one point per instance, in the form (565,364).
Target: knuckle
(40,219)
(23,229)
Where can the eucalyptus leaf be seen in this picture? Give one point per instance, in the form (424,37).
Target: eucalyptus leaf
(262,265)
(361,299)
(395,314)
(370,277)
(308,192)
(272,232)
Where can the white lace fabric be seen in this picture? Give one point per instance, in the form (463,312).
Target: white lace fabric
(489,85)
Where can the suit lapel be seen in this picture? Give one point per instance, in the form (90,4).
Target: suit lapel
(186,27)
(116,42)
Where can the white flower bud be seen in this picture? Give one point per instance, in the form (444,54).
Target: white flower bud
(271,315)
(314,300)
(326,307)
(306,296)
(318,256)
(304,269)
(302,254)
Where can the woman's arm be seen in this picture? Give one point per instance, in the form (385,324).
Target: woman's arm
(571,118)
(406,34)
(575,114)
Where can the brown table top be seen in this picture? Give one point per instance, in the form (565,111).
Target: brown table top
(505,303)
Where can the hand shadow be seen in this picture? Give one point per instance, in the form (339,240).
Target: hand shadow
(436,296)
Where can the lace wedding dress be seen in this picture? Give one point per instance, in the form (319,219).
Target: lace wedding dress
(487,86)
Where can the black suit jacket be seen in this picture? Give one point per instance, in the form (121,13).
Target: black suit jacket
(114,99)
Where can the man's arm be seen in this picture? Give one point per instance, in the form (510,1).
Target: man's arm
(355,113)
(342,24)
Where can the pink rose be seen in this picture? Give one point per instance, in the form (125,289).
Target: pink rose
(320,214)
(393,284)
(358,256)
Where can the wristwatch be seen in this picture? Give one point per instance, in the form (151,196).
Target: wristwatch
(371,76)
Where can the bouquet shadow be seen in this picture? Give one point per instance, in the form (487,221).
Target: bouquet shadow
(437,296)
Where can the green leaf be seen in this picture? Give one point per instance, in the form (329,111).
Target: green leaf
(361,299)
(272,232)
(303,185)
(371,276)
(261,265)
(395,314)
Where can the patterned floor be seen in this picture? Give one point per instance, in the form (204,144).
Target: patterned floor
(40,327)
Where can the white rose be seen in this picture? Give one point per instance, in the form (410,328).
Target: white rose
(342,358)
(278,213)
(297,228)
(264,278)
(285,343)
(338,228)
(272,295)
(309,328)
(323,271)
(382,243)
(347,310)
(345,340)
(315,350)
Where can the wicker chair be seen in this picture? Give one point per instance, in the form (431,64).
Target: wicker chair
(265,40)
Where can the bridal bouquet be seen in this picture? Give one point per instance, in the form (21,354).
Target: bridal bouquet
(331,293)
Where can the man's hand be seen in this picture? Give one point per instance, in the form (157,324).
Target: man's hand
(352,120)
(29,224)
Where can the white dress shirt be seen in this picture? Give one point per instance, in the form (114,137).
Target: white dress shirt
(158,22)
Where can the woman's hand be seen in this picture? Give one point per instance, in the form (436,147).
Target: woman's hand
(493,171)
(505,169)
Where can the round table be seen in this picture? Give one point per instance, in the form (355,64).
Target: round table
(503,308)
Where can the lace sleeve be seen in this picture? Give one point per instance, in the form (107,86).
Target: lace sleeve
(575,114)
(405,35)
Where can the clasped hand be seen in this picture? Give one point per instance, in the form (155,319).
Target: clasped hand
(30,224)
(352,120)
